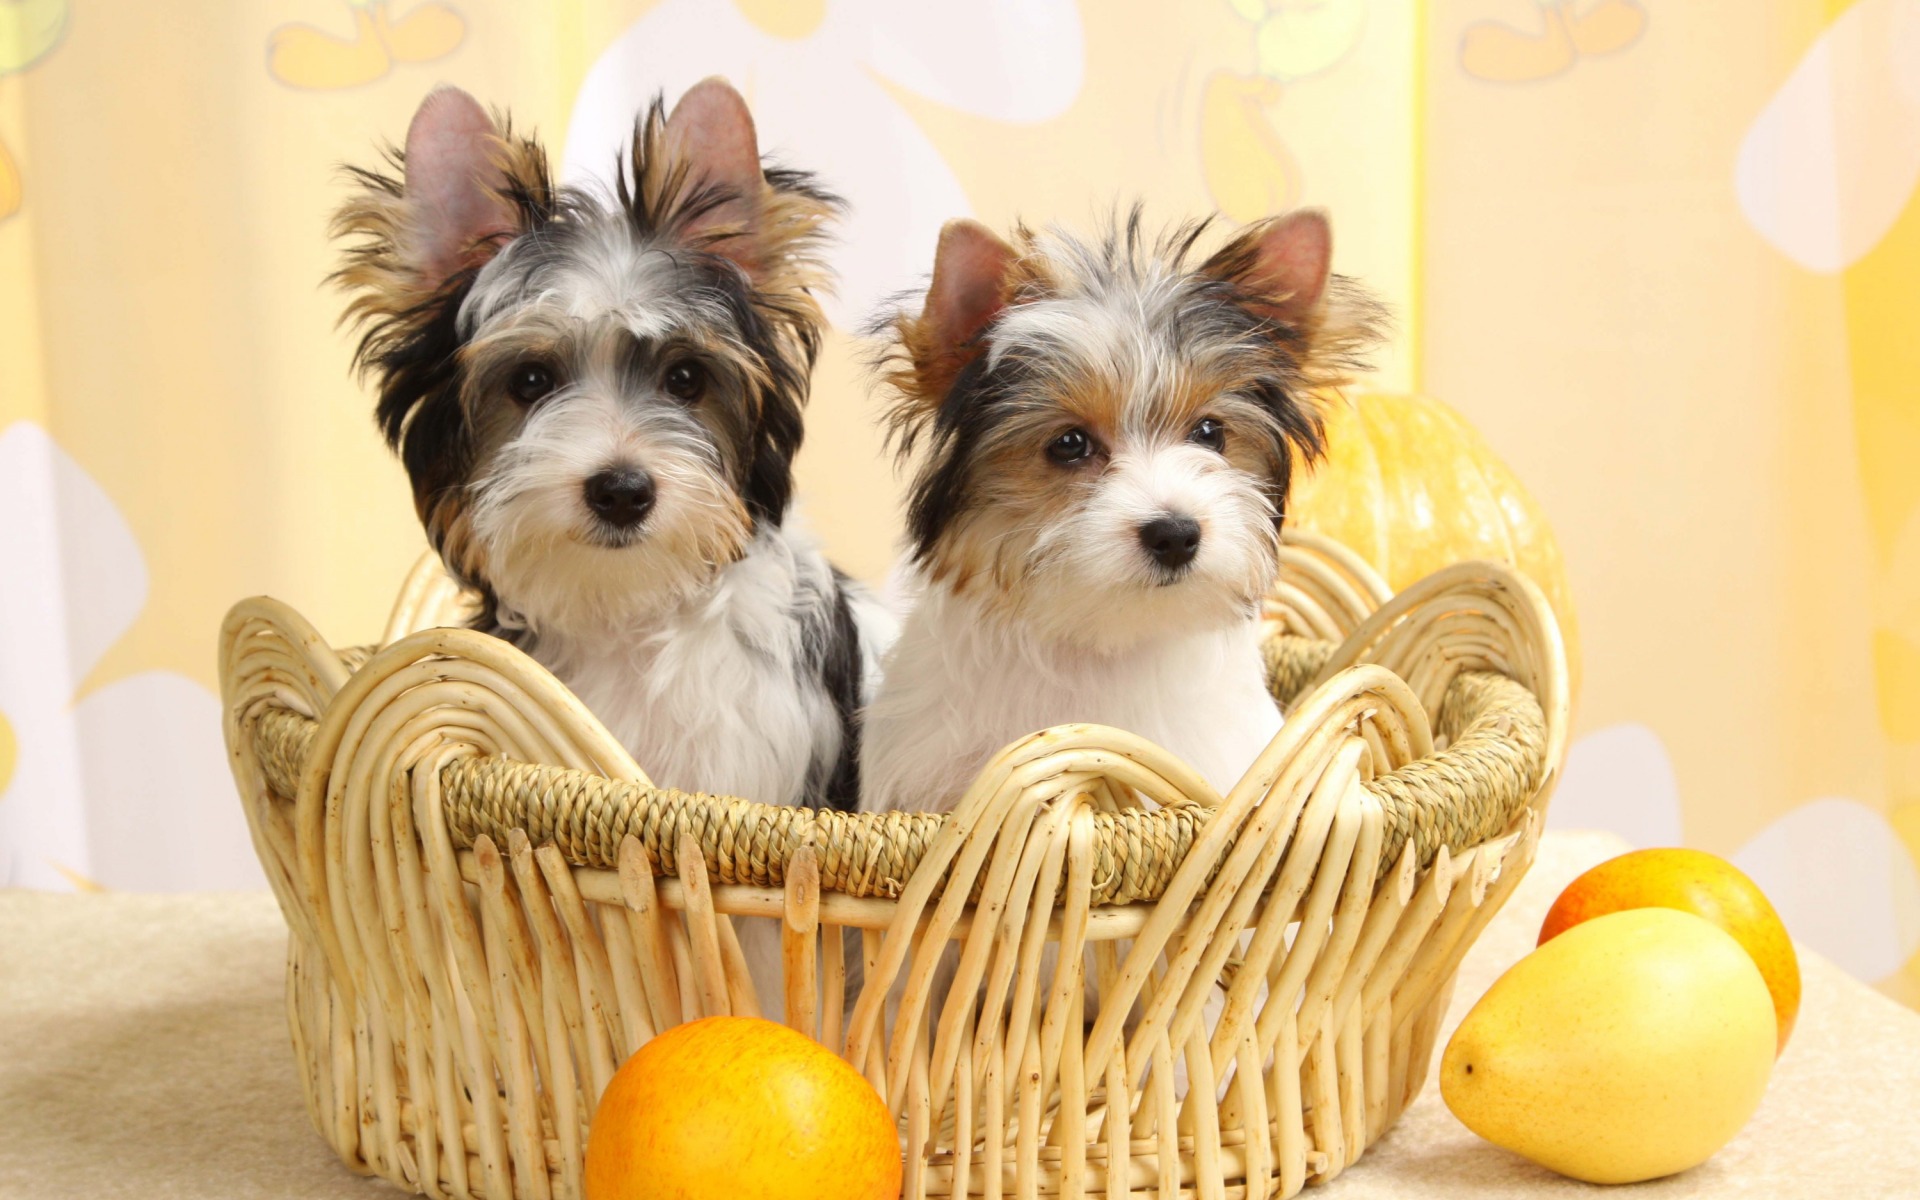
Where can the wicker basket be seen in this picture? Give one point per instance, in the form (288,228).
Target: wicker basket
(491,906)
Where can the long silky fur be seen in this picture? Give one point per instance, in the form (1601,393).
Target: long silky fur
(1295,363)
(409,326)
(1309,357)
(1036,603)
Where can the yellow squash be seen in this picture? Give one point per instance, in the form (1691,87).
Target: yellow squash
(1412,488)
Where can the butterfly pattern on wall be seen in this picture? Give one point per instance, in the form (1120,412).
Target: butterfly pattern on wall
(1567,31)
(124,783)
(1010,60)
(1250,171)
(306,56)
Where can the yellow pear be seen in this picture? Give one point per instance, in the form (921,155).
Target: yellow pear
(1631,1046)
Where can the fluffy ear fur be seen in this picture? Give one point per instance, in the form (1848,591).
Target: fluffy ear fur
(1282,269)
(464,186)
(973,281)
(971,270)
(711,132)
(1283,263)
(456,192)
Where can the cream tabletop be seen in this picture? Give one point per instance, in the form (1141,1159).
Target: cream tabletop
(144,1053)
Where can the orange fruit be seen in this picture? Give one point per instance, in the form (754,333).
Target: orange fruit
(737,1108)
(1696,882)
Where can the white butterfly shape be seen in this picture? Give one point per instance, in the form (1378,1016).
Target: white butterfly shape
(1832,160)
(821,103)
(126,785)
(1837,872)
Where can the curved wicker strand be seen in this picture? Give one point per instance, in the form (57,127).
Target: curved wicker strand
(401,681)
(996,931)
(1324,590)
(990,849)
(1511,622)
(982,808)
(417,713)
(1034,962)
(1303,747)
(1479,646)
(1277,892)
(1212,933)
(296,656)
(429,598)
(273,661)
(369,736)
(270,659)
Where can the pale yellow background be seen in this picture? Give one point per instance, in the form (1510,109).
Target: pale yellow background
(1726,441)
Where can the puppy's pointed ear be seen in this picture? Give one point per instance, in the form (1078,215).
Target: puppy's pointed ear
(971,270)
(1326,325)
(711,131)
(1282,264)
(458,208)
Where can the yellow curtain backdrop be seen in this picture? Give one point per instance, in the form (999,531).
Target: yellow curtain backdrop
(1663,255)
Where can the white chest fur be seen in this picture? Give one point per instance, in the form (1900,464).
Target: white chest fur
(722,693)
(713,695)
(962,685)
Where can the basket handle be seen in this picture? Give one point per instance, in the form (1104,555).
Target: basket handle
(1479,646)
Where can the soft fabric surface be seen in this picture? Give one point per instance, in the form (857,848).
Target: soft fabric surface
(144,1052)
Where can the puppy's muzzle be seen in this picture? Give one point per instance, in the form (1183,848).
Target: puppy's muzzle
(1172,541)
(622,497)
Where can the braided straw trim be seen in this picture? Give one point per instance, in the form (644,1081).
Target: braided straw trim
(1324,592)
(1462,796)
(1293,663)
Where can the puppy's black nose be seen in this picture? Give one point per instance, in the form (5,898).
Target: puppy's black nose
(1173,541)
(621,497)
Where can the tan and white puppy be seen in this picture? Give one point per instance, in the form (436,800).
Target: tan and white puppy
(1106,433)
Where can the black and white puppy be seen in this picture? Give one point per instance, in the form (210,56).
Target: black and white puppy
(1109,428)
(598,400)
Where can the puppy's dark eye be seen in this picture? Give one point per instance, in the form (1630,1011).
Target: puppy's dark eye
(1209,433)
(686,380)
(1070,447)
(530,382)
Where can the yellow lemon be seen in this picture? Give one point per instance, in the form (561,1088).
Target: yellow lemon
(1629,1047)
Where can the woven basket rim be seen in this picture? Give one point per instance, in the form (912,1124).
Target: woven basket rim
(1499,751)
